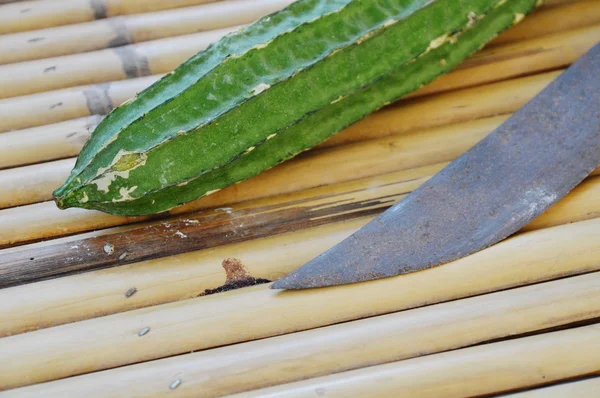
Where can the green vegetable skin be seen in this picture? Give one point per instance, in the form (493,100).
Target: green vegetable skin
(270,91)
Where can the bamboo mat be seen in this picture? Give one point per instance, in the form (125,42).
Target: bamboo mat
(99,306)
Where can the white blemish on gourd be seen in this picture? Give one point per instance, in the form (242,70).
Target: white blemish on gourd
(472,19)
(106,175)
(259,89)
(271,136)
(437,42)
(518,18)
(227,79)
(338,99)
(84,199)
(125,194)
(211,192)
(500,3)
(182,184)
(249,149)
(211,97)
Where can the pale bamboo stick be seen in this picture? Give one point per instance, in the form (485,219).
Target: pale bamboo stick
(134,60)
(44,220)
(29,184)
(587,388)
(518,59)
(39,144)
(57,106)
(119,31)
(112,32)
(552,19)
(163,55)
(369,158)
(475,371)
(453,107)
(258,312)
(39,14)
(491,65)
(69,299)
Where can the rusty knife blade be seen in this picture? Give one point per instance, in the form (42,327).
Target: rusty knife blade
(510,177)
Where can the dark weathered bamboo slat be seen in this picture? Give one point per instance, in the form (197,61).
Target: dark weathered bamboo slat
(197,231)
(123,30)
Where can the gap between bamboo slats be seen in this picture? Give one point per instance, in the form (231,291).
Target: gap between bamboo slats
(123,30)
(587,388)
(448,108)
(38,14)
(70,299)
(134,60)
(258,312)
(474,371)
(118,31)
(502,62)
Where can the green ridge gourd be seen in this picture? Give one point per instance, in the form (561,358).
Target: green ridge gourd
(265,93)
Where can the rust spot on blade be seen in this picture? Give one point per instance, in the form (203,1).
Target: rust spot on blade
(237,277)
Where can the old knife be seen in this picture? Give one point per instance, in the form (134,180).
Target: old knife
(523,167)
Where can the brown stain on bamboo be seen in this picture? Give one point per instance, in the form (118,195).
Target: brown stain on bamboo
(237,277)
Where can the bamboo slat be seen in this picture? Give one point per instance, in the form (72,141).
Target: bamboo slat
(117,31)
(548,20)
(475,371)
(587,388)
(340,203)
(61,105)
(163,55)
(44,143)
(453,107)
(401,152)
(254,220)
(501,62)
(123,30)
(39,14)
(258,312)
(383,155)
(134,60)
